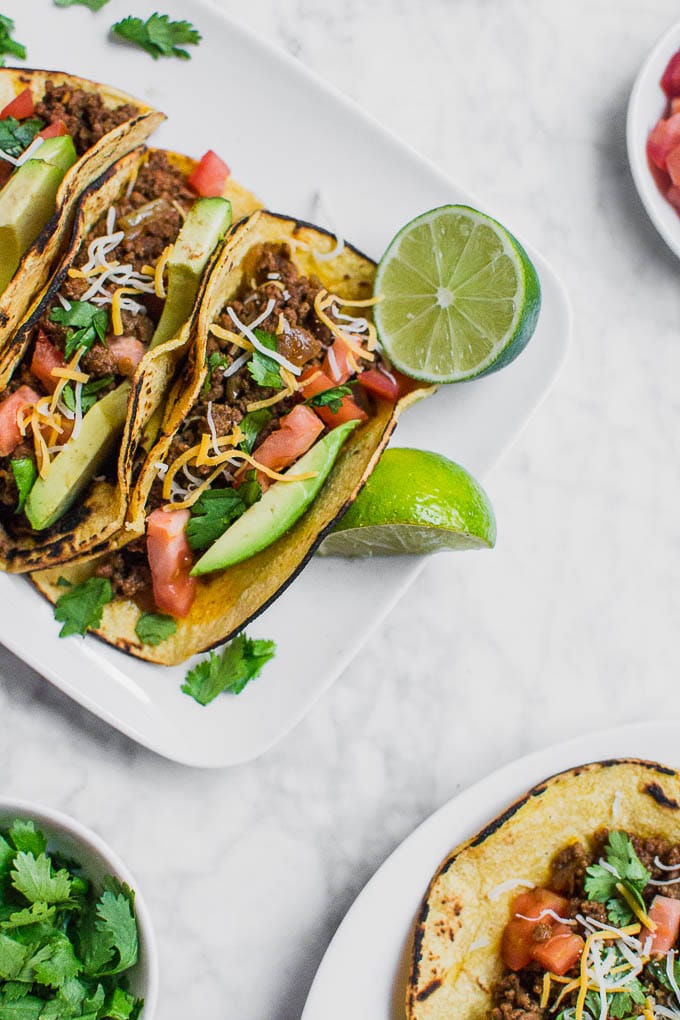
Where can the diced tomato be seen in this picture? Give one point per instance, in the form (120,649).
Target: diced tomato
(294,436)
(560,952)
(20,107)
(675,105)
(54,130)
(337,364)
(313,381)
(673,164)
(210,176)
(665,914)
(670,80)
(663,139)
(171,560)
(45,358)
(517,946)
(127,352)
(10,408)
(380,384)
(349,410)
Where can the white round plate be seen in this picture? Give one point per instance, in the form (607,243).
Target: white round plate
(364,971)
(646,105)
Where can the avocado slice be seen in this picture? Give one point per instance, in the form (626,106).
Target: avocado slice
(206,224)
(29,199)
(279,508)
(75,466)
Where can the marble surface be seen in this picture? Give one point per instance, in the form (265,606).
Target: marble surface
(570,625)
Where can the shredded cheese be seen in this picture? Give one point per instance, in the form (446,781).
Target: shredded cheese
(70,373)
(159,283)
(641,914)
(227,334)
(72,367)
(116,316)
(257,405)
(545,992)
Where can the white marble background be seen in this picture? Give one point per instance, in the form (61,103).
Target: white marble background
(570,625)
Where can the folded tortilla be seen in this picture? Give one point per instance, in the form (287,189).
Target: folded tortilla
(228,600)
(101,512)
(38,263)
(456,959)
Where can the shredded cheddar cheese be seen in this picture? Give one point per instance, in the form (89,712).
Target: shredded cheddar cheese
(227,334)
(116,315)
(545,991)
(641,914)
(159,271)
(322,302)
(257,405)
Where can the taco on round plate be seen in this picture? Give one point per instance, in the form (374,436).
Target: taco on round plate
(84,374)
(281,413)
(567,906)
(58,133)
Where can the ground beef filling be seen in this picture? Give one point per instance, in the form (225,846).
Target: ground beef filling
(269,275)
(85,114)
(517,996)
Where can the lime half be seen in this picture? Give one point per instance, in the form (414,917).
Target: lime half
(460,296)
(414,503)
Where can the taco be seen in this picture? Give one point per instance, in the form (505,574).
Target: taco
(280,416)
(58,133)
(567,906)
(96,356)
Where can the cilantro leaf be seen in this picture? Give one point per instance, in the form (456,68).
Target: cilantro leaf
(330,398)
(120,1006)
(25,474)
(214,511)
(240,662)
(35,879)
(154,628)
(38,913)
(94,5)
(7,44)
(80,608)
(27,1008)
(265,371)
(6,856)
(89,324)
(112,945)
(252,425)
(60,966)
(25,836)
(215,361)
(88,393)
(625,869)
(12,957)
(17,135)
(158,35)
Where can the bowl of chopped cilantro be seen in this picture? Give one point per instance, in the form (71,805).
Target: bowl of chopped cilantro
(76,939)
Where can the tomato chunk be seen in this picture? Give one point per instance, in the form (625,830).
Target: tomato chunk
(170,559)
(294,436)
(560,952)
(663,139)
(45,358)
(382,385)
(339,363)
(54,130)
(127,352)
(518,945)
(10,409)
(210,176)
(670,80)
(349,410)
(665,913)
(20,107)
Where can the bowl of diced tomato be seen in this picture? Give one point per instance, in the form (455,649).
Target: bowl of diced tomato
(653,136)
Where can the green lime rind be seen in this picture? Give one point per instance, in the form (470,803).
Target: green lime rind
(460,297)
(414,503)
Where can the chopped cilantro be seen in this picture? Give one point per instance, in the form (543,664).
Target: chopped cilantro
(17,135)
(7,44)
(215,361)
(330,398)
(154,628)
(64,945)
(215,510)
(89,324)
(25,474)
(265,371)
(88,394)
(80,608)
(240,662)
(252,425)
(624,869)
(94,5)
(158,35)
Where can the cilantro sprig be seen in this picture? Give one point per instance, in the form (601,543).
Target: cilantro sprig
(8,45)
(158,35)
(65,945)
(624,871)
(17,135)
(86,325)
(80,607)
(229,671)
(251,426)
(264,370)
(94,5)
(215,510)
(154,628)
(88,393)
(331,399)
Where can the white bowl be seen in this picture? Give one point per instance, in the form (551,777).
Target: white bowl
(97,860)
(647,103)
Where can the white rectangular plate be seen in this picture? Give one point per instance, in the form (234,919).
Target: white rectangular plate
(364,971)
(222,99)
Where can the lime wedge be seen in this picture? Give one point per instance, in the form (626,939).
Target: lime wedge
(414,503)
(460,296)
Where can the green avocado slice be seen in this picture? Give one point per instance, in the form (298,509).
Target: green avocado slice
(206,224)
(73,468)
(29,199)
(280,507)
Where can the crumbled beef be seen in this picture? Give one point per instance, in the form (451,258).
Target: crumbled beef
(518,997)
(568,869)
(128,571)
(85,115)
(98,361)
